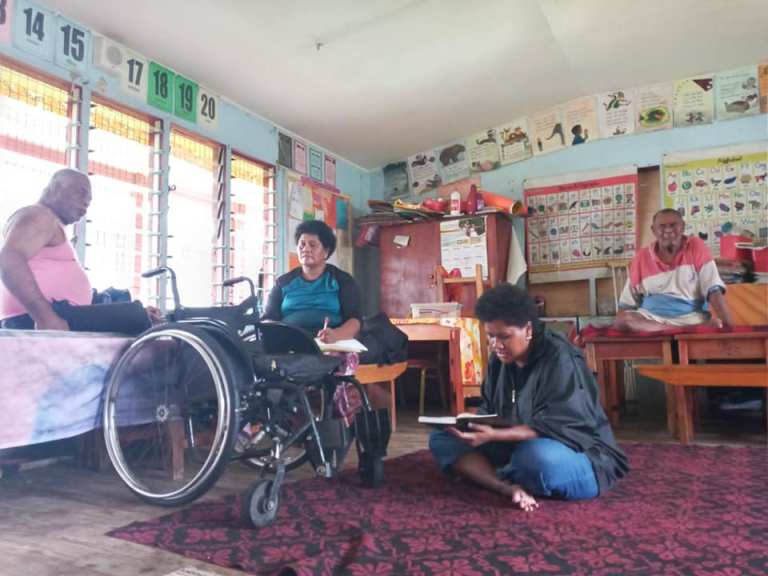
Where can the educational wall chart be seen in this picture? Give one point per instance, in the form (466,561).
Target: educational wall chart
(310,200)
(514,141)
(693,101)
(580,116)
(464,244)
(580,221)
(453,161)
(483,149)
(654,107)
(547,132)
(616,113)
(719,191)
(423,173)
(736,93)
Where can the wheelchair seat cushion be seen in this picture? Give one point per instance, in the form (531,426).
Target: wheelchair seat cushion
(295,367)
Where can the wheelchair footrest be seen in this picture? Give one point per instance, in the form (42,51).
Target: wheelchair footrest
(335,438)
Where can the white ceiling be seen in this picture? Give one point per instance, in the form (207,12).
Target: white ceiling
(393,77)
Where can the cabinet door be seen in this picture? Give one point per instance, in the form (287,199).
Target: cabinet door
(408,272)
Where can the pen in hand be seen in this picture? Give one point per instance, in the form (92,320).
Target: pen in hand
(323,334)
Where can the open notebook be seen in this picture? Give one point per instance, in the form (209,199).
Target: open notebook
(350,345)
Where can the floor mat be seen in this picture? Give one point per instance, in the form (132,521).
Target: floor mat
(681,510)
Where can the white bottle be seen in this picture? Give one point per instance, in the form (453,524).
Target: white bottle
(455,203)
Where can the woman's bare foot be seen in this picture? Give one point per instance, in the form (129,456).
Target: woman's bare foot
(520,497)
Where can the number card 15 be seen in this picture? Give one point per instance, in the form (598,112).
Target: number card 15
(73,46)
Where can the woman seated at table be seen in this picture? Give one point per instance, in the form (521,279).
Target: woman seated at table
(317,296)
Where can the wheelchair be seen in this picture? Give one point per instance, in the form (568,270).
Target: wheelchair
(215,385)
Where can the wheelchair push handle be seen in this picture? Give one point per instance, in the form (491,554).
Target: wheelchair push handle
(238,280)
(174,288)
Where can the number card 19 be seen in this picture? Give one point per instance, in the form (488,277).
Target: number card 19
(185,99)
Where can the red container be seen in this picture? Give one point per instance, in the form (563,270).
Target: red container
(760,258)
(729,250)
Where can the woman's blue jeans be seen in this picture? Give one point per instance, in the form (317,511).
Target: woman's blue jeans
(542,466)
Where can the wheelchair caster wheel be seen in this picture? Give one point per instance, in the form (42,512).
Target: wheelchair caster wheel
(258,508)
(371,470)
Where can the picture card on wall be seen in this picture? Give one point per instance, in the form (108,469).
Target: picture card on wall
(330,170)
(395,180)
(654,107)
(423,172)
(483,149)
(514,141)
(762,81)
(453,161)
(736,93)
(616,113)
(299,156)
(547,131)
(284,150)
(693,101)
(315,164)
(581,124)
(6,19)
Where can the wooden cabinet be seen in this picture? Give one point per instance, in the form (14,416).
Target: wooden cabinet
(408,272)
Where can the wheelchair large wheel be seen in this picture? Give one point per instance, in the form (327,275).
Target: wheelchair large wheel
(169,414)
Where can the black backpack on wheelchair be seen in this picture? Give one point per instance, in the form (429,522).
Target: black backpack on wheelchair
(215,384)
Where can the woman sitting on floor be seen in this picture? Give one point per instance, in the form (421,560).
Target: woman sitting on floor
(559,443)
(316,296)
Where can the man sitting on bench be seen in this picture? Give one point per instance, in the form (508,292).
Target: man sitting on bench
(671,282)
(43,284)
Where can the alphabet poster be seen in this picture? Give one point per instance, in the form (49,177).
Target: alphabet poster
(719,191)
(581,220)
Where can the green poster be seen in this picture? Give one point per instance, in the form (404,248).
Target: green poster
(185,99)
(160,93)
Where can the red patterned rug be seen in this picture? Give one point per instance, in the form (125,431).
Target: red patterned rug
(682,510)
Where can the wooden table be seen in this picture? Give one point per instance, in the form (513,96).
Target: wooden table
(605,352)
(714,346)
(449,334)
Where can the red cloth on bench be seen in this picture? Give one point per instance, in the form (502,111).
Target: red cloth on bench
(594,331)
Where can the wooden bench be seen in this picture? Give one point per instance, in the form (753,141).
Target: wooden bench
(681,377)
